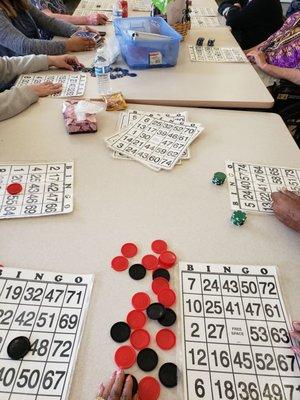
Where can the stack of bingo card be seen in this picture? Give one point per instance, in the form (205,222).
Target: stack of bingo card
(157,140)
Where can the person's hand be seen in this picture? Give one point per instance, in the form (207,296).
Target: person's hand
(96,19)
(295,333)
(286,206)
(65,61)
(237,5)
(76,43)
(89,29)
(258,57)
(46,88)
(117,388)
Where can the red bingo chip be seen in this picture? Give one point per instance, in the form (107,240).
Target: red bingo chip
(136,319)
(165,339)
(129,250)
(140,301)
(150,261)
(119,263)
(167,297)
(140,339)
(167,259)
(125,357)
(14,188)
(158,284)
(159,246)
(149,389)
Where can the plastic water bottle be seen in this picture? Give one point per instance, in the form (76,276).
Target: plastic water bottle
(117,10)
(102,71)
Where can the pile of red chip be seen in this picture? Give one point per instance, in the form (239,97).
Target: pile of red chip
(134,327)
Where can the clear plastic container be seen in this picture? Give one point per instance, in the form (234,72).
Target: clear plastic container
(150,52)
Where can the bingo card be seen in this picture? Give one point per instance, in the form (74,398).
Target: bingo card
(205,12)
(96,5)
(217,54)
(200,21)
(155,142)
(47,189)
(83,12)
(50,310)
(236,342)
(251,185)
(127,118)
(73,85)
(140,5)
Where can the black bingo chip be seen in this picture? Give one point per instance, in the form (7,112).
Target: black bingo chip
(120,332)
(169,318)
(168,375)
(135,385)
(117,69)
(147,359)
(137,272)
(112,76)
(156,311)
(132,74)
(161,273)
(18,347)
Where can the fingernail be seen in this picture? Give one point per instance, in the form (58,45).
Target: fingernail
(128,378)
(119,371)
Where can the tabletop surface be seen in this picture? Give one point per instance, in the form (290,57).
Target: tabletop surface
(191,84)
(119,201)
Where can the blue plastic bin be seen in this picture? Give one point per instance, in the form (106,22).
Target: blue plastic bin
(140,54)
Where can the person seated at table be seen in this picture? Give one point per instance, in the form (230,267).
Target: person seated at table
(118,388)
(286,207)
(295,333)
(17,99)
(279,55)
(20,23)
(58,10)
(252,21)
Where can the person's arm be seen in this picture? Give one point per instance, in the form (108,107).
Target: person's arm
(16,41)
(15,100)
(94,18)
(12,67)
(290,74)
(44,22)
(237,17)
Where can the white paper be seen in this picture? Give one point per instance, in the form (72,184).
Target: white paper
(235,334)
(73,85)
(155,142)
(251,185)
(47,189)
(217,54)
(50,310)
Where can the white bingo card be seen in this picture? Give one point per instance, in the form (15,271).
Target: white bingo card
(140,5)
(251,185)
(73,85)
(201,21)
(47,189)
(154,142)
(49,309)
(83,12)
(96,5)
(235,334)
(204,11)
(217,54)
(127,118)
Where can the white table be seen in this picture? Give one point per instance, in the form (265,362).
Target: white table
(192,84)
(119,201)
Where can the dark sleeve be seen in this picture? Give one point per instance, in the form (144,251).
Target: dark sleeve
(52,25)
(225,4)
(237,18)
(20,44)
